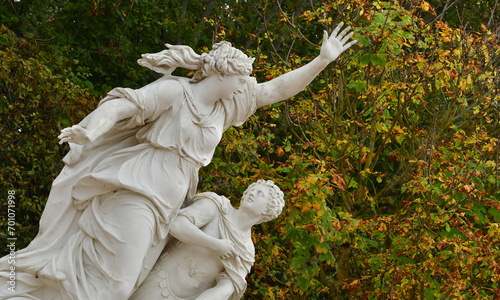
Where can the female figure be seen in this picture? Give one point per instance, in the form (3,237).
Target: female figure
(134,162)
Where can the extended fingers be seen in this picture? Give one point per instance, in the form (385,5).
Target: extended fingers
(64,139)
(346,30)
(68,134)
(344,39)
(336,30)
(350,44)
(66,130)
(340,35)
(65,133)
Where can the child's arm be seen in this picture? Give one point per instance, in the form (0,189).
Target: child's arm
(185,231)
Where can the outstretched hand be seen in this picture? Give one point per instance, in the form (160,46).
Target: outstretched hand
(334,45)
(75,134)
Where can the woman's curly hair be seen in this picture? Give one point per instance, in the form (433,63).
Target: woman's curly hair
(223,60)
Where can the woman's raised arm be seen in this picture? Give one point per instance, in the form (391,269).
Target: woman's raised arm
(291,83)
(101,120)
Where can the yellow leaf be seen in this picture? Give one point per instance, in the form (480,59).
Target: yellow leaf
(306,208)
(466,189)
(490,164)
(320,249)
(425,6)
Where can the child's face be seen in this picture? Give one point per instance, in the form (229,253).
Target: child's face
(256,199)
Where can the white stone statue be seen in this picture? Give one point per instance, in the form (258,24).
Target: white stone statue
(214,250)
(134,163)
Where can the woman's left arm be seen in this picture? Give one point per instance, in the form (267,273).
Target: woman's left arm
(291,83)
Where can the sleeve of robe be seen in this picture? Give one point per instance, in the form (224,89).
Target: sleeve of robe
(150,106)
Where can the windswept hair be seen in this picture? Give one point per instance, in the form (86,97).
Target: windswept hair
(275,203)
(221,61)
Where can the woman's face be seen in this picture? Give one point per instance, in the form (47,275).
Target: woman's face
(231,85)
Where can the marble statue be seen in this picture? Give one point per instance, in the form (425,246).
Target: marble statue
(134,163)
(213,250)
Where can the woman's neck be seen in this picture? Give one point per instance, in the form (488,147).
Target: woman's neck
(207,91)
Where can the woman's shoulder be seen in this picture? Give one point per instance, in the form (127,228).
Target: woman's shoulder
(167,82)
(164,89)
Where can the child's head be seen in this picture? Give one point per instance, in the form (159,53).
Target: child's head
(275,199)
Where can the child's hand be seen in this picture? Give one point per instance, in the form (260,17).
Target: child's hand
(225,249)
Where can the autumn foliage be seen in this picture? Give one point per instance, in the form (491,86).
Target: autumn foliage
(388,160)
